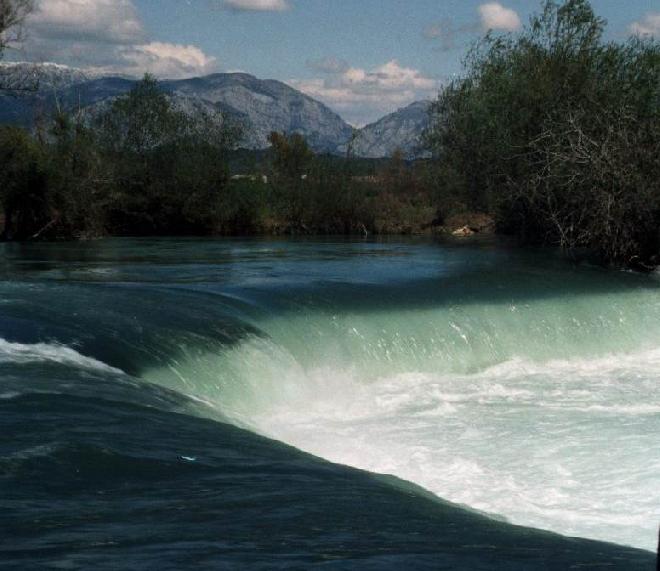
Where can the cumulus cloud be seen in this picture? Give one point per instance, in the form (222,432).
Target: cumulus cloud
(494,16)
(114,21)
(449,35)
(107,36)
(165,60)
(647,26)
(362,96)
(257,5)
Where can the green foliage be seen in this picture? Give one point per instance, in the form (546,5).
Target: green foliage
(23,189)
(79,178)
(169,166)
(309,194)
(141,168)
(141,121)
(558,133)
(244,209)
(343,195)
(291,155)
(145,167)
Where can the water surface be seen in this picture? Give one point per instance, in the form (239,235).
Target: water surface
(173,403)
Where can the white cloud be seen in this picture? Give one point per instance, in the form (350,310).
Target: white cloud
(494,16)
(257,5)
(647,26)
(165,60)
(113,21)
(107,36)
(363,95)
(448,34)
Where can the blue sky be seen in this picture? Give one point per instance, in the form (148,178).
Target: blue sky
(363,58)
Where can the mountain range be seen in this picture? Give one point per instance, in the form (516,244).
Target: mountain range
(261,106)
(400,130)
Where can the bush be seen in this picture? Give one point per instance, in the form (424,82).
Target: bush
(558,133)
(169,167)
(23,187)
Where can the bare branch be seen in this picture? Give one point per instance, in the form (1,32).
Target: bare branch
(12,17)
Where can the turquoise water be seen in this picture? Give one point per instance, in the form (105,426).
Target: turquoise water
(162,380)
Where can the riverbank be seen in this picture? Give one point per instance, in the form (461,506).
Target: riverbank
(465,227)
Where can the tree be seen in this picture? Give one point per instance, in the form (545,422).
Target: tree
(12,17)
(80,180)
(22,185)
(291,155)
(169,164)
(291,159)
(557,132)
(141,121)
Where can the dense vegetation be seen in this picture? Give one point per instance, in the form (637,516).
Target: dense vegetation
(143,167)
(553,132)
(558,133)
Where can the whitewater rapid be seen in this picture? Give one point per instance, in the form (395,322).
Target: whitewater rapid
(543,414)
(568,446)
(528,389)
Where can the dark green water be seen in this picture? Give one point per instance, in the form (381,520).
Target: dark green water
(179,404)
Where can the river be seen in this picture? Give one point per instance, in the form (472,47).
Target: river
(341,404)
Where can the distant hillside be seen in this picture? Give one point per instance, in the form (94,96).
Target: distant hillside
(45,75)
(399,130)
(266,106)
(30,85)
(262,106)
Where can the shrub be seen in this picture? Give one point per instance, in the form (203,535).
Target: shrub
(558,133)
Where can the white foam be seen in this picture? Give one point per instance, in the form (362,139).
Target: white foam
(569,446)
(18,353)
(521,414)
